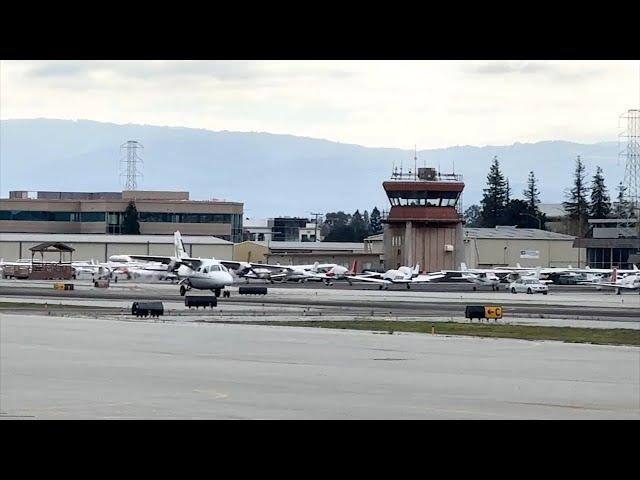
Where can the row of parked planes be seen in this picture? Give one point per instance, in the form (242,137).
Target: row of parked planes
(215,275)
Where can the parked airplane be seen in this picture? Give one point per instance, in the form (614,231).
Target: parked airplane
(483,278)
(490,277)
(303,273)
(403,275)
(249,270)
(336,272)
(629,282)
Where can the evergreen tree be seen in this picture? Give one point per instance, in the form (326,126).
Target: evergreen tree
(576,205)
(621,207)
(508,193)
(600,206)
(334,220)
(473,216)
(375,222)
(130,224)
(357,223)
(360,232)
(516,212)
(366,220)
(531,194)
(495,195)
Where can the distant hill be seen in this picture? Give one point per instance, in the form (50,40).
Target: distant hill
(272,174)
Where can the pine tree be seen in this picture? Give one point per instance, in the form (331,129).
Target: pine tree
(531,194)
(577,206)
(508,193)
(621,206)
(495,195)
(600,206)
(130,224)
(375,222)
(366,220)
(357,223)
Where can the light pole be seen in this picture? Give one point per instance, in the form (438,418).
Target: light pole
(316,224)
(533,216)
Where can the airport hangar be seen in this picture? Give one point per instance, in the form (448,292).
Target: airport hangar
(508,246)
(15,246)
(483,247)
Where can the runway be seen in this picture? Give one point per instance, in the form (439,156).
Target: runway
(71,368)
(563,302)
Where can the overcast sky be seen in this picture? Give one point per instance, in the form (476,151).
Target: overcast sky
(373,103)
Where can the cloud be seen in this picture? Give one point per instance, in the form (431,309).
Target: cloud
(157,70)
(555,71)
(386,103)
(60,68)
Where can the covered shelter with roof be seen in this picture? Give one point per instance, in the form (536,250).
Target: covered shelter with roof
(41,270)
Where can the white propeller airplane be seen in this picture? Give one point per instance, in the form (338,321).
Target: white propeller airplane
(209,273)
(480,277)
(403,275)
(198,273)
(489,277)
(336,272)
(629,282)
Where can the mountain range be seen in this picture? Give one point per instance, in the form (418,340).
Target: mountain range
(273,175)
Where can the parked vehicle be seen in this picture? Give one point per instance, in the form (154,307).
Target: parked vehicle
(528,286)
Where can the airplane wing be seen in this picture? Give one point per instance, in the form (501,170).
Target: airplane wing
(153,258)
(628,286)
(232,264)
(362,278)
(427,278)
(192,263)
(380,281)
(370,275)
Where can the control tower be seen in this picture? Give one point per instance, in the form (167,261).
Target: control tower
(424,225)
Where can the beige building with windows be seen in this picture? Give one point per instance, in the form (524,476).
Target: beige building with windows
(159,213)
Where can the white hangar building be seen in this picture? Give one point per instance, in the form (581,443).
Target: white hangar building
(15,246)
(508,246)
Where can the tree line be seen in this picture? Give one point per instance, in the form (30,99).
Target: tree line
(346,227)
(582,202)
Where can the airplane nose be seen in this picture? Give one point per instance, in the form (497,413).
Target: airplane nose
(228,279)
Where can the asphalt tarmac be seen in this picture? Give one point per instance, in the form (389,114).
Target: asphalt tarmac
(80,368)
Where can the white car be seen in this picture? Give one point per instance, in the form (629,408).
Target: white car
(528,286)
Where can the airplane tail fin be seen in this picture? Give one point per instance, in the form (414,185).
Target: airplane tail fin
(518,265)
(614,275)
(537,274)
(354,267)
(635,268)
(416,270)
(315,267)
(463,267)
(179,245)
